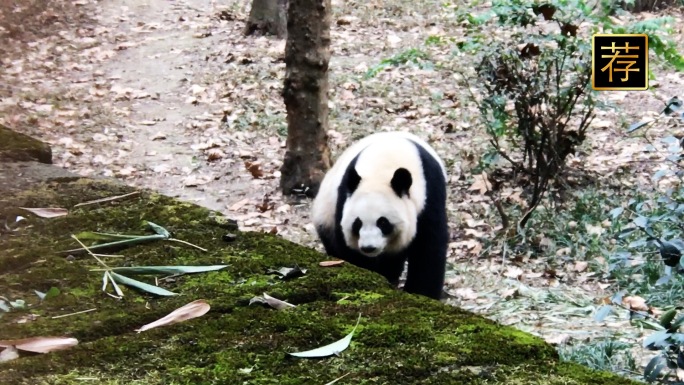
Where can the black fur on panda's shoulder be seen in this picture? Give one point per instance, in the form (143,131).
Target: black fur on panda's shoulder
(426,254)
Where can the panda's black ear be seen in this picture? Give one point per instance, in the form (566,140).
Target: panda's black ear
(401,181)
(353,180)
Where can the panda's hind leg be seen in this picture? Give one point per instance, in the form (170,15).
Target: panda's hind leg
(327,239)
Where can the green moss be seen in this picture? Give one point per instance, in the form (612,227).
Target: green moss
(402,339)
(19,147)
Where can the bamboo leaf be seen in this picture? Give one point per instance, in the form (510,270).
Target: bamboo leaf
(166,270)
(666,319)
(656,339)
(654,367)
(638,125)
(328,350)
(159,230)
(602,313)
(126,242)
(94,236)
(139,285)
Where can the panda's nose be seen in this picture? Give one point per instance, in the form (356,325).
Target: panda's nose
(368,249)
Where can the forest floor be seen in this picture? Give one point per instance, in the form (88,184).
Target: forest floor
(170,95)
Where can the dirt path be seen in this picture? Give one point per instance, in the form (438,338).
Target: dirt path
(164,58)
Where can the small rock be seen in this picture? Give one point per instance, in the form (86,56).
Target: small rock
(229,237)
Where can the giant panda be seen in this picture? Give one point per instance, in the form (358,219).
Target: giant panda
(383,202)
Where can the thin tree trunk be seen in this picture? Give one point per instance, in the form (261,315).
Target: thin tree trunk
(307,53)
(268,17)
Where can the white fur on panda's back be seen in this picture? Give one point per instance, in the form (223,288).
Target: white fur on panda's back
(387,151)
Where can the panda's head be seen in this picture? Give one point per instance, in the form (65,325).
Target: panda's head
(378,217)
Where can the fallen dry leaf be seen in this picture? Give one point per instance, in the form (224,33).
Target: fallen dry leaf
(635,303)
(594,230)
(276,303)
(47,212)
(255,169)
(331,263)
(465,293)
(510,293)
(481,184)
(191,310)
(41,344)
(557,339)
(580,266)
(513,272)
(238,205)
(10,353)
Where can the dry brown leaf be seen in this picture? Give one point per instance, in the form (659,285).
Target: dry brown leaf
(215,154)
(580,266)
(41,344)
(238,205)
(635,303)
(255,169)
(481,184)
(513,272)
(474,233)
(9,354)
(680,374)
(465,293)
(47,212)
(594,230)
(557,339)
(563,251)
(277,303)
(191,310)
(510,293)
(330,263)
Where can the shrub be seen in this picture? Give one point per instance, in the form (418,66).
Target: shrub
(535,99)
(648,263)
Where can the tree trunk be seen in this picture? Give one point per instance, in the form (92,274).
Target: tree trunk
(307,53)
(268,17)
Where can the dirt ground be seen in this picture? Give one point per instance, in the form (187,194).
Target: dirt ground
(170,95)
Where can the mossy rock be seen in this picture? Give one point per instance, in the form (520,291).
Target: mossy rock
(19,147)
(401,338)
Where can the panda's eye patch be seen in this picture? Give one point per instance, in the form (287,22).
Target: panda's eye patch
(385,226)
(356,227)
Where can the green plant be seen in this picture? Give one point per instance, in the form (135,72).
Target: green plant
(536,104)
(611,354)
(648,262)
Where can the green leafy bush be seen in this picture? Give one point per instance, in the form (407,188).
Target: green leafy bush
(648,262)
(534,94)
